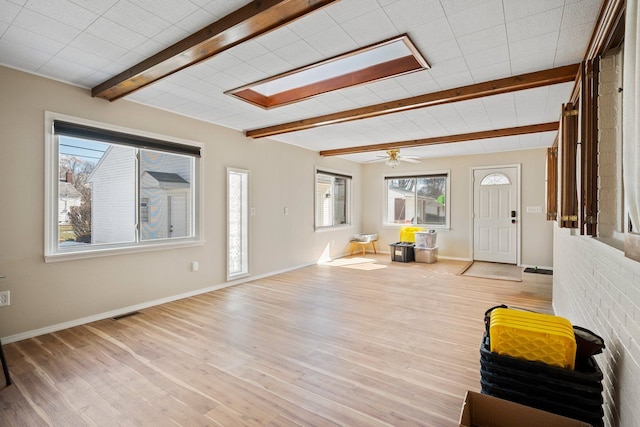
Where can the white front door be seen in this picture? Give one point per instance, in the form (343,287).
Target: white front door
(495,214)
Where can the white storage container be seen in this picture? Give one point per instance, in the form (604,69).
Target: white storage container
(426,255)
(426,239)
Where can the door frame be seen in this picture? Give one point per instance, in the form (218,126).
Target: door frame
(472,194)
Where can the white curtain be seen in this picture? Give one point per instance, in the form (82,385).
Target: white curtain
(631,113)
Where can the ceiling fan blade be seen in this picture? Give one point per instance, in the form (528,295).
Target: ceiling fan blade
(409,160)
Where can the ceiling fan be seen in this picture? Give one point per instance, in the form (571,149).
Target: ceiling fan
(393,158)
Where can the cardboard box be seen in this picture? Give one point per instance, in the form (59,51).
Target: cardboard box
(481,410)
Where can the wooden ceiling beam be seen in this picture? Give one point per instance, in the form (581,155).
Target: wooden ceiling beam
(473,136)
(552,76)
(246,23)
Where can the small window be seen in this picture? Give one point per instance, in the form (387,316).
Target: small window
(117,190)
(333,204)
(495,179)
(421,200)
(237,223)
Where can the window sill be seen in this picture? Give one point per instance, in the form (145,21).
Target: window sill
(425,226)
(332,228)
(98,253)
(613,242)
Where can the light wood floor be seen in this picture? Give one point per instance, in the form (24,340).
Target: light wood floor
(361,342)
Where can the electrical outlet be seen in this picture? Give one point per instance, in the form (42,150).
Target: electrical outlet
(4,298)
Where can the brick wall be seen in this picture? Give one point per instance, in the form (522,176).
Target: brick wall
(594,285)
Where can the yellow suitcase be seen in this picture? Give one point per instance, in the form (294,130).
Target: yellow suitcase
(532,336)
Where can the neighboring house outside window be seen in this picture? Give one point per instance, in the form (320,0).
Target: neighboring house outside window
(68,198)
(333,199)
(144,209)
(139,190)
(418,199)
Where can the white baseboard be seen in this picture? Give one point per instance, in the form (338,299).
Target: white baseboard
(124,310)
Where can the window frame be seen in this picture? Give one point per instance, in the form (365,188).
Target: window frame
(53,253)
(348,202)
(246,238)
(414,175)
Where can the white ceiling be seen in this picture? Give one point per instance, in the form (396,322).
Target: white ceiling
(85,42)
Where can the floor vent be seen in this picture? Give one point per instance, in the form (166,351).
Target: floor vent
(122,316)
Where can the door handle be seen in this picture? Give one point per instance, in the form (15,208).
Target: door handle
(513,221)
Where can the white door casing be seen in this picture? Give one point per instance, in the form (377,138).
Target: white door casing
(495,214)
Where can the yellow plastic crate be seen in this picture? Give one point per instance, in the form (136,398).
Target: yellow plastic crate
(407,234)
(533,336)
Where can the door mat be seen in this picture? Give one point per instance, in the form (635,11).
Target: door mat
(538,271)
(493,270)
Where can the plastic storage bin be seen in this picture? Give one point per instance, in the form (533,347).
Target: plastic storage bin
(533,336)
(426,255)
(402,252)
(426,239)
(407,234)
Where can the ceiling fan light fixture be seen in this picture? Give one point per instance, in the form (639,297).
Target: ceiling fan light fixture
(392,162)
(393,159)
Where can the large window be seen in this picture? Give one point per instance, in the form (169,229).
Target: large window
(418,199)
(333,194)
(112,190)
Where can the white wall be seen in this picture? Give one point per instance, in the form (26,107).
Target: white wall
(43,295)
(595,286)
(537,233)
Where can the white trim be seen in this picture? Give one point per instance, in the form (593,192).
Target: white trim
(247,173)
(52,253)
(630,114)
(121,250)
(124,310)
(349,197)
(329,228)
